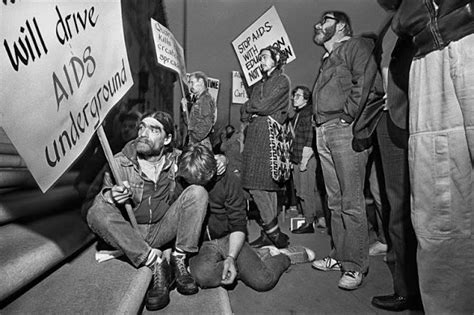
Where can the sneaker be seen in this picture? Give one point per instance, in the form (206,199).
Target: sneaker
(158,295)
(297,254)
(185,283)
(326,264)
(378,248)
(350,280)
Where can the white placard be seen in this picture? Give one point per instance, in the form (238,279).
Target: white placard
(239,94)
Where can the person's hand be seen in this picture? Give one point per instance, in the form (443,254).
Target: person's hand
(221,163)
(303,166)
(184,104)
(229,273)
(121,193)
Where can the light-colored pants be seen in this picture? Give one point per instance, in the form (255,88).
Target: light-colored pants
(441,148)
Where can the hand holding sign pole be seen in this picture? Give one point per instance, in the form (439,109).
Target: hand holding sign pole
(169,54)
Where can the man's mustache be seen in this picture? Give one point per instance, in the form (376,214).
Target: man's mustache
(144,140)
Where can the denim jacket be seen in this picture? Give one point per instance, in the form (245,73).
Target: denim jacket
(129,170)
(338,88)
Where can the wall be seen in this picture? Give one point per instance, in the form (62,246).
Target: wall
(211,25)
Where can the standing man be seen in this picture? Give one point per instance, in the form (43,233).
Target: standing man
(202,115)
(148,168)
(304,162)
(337,97)
(441,147)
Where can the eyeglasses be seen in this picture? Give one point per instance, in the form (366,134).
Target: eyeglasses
(298,95)
(326,18)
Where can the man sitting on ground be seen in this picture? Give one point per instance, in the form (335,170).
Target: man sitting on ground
(225,255)
(148,167)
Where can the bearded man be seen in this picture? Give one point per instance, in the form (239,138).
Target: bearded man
(336,103)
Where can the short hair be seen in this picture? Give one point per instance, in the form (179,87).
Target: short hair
(200,75)
(278,56)
(196,164)
(342,18)
(130,115)
(166,120)
(306,92)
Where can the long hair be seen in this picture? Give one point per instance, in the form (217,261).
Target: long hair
(278,56)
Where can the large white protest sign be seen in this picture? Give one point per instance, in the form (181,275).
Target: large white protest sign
(169,52)
(239,94)
(265,31)
(63,67)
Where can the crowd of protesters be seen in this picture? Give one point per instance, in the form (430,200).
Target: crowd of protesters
(390,116)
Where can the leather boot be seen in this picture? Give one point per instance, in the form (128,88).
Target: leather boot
(185,283)
(263,240)
(278,238)
(158,295)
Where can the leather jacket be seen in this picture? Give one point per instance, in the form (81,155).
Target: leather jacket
(431,28)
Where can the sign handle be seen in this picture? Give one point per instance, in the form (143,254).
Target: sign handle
(113,166)
(186,113)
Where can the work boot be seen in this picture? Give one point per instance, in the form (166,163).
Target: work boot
(263,240)
(185,283)
(158,295)
(278,238)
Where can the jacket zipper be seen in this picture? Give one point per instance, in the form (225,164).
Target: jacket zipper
(434,23)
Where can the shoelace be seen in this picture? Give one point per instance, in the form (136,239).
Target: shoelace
(351,274)
(158,275)
(181,265)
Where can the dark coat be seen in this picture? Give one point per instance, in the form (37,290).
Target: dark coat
(269,97)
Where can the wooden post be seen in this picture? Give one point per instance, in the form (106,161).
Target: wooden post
(113,166)
(186,113)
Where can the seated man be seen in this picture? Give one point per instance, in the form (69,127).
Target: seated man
(225,255)
(148,167)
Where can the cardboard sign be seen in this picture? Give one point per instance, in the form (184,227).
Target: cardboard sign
(213,86)
(64,66)
(239,94)
(169,52)
(265,31)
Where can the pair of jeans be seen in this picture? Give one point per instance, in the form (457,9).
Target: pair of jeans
(440,155)
(344,175)
(182,223)
(267,204)
(307,191)
(401,258)
(261,275)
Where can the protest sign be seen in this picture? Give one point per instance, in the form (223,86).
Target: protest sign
(64,66)
(239,94)
(265,31)
(169,52)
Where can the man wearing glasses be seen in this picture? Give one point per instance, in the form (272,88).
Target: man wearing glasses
(336,103)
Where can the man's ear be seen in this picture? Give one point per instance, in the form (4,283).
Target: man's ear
(340,26)
(168,139)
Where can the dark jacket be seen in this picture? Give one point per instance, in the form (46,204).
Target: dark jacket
(431,29)
(227,208)
(304,133)
(201,117)
(338,88)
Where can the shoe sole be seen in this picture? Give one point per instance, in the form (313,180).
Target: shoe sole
(325,269)
(349,288)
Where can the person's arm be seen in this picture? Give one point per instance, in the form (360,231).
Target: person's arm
(262,104)
(229,272)
(357,57)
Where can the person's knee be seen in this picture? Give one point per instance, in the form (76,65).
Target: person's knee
(205,275)
(197,195)
(263,284)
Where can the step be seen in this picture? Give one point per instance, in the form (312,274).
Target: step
(29,250)
(83,286)
(27,203)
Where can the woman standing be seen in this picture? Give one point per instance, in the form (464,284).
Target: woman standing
(269,97)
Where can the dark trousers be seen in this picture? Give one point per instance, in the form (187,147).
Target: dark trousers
(401,258)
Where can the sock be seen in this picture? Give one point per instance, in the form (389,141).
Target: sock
(178,252)
(273,229)
(153,257)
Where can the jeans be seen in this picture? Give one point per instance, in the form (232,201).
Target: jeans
(266,202)
(182,221)
(401,257)
(440,155)
(261,275)
(344,176)
(307,191)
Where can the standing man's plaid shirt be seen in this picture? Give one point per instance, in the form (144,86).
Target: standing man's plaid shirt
(302,124)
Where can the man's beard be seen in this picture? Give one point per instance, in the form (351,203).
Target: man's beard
(324,35)
(145,147)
